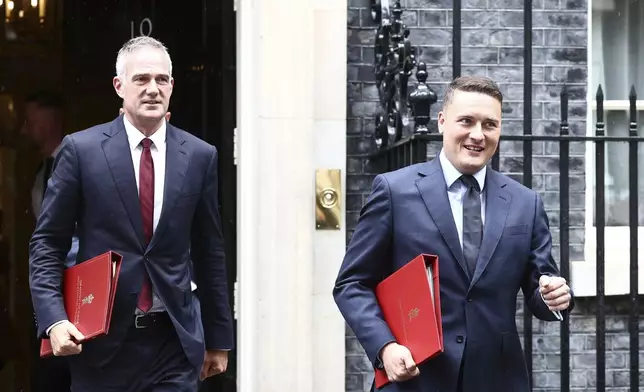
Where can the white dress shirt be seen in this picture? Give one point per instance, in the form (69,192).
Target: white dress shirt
(456,192)
(157,149)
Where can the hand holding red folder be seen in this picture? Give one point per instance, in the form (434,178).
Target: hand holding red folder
(66,339)
(398,362)
(410,301)
(88,293)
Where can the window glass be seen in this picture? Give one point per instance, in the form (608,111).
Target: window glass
(618,63)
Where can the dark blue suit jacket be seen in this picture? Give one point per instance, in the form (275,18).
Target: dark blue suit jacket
(93,184)
(408,213)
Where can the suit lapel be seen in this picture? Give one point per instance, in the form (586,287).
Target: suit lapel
(496,211)
(119,159)
(176,165)
(433,191)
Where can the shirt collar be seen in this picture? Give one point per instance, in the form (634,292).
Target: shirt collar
(134,136)
(452,174)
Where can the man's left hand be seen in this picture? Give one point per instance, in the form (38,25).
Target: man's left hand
(215,362)
(555,292)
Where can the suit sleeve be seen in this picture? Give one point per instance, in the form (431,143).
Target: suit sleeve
(540,263)
(52,237)
(209,261)
(366,263)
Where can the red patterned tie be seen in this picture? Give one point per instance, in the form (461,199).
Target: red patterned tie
(146,201)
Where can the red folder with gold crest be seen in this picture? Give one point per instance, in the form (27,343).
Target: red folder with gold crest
(410,301)
(88,292)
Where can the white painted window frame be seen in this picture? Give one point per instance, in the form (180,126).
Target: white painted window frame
(616,238)
(617,243)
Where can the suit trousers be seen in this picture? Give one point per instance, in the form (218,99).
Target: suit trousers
(50,374)
(150,360)
(459,383)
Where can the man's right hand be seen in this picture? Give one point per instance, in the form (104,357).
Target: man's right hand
(398,363)
(66,339)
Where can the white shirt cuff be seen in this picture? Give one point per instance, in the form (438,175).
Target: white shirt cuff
(53,325)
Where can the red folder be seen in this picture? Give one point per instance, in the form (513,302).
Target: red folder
(410,301)
(88,292)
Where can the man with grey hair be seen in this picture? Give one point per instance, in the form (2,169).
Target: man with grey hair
(148,191)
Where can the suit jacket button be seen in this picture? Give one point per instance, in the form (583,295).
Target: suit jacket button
(469,299)
(459,339)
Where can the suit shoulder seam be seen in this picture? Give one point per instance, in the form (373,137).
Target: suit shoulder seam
(389,198)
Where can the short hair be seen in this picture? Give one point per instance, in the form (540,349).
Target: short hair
(46,100)
(472,84)
(137,43)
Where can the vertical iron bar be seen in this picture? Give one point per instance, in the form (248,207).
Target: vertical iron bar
(564,238)
(413,145)
(417,147)
(394,155)
(633,221)
(421,151)
(397,155)
(527,98)
(496,158)
(456,39)
(527,156)
(414,151)
(600,222)
(403,154)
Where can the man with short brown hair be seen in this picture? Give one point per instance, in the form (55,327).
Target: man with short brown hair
(492,237)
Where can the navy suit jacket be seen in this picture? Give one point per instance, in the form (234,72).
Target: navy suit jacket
(93,185)
(408,213)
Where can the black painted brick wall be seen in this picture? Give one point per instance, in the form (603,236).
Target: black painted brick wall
(492,45)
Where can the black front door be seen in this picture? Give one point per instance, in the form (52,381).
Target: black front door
(201,40)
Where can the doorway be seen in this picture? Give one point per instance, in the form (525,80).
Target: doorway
(70,46)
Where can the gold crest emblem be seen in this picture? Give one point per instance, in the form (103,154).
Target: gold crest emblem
(88,299)
(413,313)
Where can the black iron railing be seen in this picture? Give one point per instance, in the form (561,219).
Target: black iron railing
(394,62)
(395,150)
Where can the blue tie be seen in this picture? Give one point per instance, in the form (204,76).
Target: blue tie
(472,222)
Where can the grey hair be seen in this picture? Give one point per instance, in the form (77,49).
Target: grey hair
(137,43)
